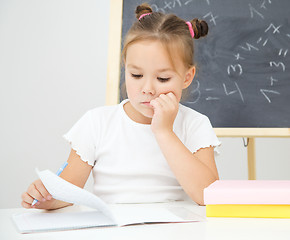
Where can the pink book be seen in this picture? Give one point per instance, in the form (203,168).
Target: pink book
(248,192)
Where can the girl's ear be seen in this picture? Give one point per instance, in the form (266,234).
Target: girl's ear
(189,77)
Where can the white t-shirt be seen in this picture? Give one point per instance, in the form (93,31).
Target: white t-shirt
(129,166)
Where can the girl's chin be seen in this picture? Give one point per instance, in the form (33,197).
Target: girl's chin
(148,113)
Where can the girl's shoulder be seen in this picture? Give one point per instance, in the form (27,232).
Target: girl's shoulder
(106,112)
(189,114)
(104,109)
(196,129)
(191,120)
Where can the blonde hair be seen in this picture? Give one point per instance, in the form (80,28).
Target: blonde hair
(170,30)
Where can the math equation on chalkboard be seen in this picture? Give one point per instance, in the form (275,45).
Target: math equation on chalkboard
(243,75)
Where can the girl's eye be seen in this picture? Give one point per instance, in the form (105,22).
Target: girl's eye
(136,75)
(163,79)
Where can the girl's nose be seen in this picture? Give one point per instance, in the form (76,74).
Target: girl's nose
(150,92)
(148,88)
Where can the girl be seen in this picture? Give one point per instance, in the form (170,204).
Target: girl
(149,148)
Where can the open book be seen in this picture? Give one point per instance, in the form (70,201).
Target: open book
(99,214)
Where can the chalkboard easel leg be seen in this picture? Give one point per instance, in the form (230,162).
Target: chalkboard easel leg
(251,159)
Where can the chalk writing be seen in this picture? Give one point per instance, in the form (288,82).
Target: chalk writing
(238,57)
(226,91)
(239,90)
(234,91)
(275,29)
(265,91)
(195,92)
(281,52)
(249,47)
(212,18)
(253,10)
(279,64)
(272,80)
(168,6)
(264,43)
(212,98)
(237,68)
(263,5)
(176,2)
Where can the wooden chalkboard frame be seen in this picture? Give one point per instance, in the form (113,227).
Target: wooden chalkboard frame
(113,80)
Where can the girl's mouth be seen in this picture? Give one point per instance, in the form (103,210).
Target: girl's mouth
(147,104)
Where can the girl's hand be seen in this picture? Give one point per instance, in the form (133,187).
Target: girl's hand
(37,190)
(165,110)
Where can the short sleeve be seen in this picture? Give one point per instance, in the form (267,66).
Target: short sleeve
(81,138)
(201,135)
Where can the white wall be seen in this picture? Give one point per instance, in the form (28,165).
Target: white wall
(53,61)
(53,57)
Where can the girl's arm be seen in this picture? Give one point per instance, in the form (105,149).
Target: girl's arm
(76,172)
(195,171)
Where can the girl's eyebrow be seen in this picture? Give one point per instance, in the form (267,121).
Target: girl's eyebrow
(133,66)
(165,70)
(158,70)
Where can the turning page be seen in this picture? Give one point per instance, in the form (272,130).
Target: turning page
(116,215)
(62,190)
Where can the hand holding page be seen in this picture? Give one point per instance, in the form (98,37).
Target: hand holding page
(58,173)
(67,192)
(118,215)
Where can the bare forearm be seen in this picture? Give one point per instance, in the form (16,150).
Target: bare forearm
(77,173)
(192,174)
(195,171)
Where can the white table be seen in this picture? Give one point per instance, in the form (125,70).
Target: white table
(212,228)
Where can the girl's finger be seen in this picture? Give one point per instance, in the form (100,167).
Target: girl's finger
(155,103)
(162,100)
(172,97)
(42,189)
(26,205)
(27,201)
(26,198)
(35,194)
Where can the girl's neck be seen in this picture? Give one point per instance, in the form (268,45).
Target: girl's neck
(134,115)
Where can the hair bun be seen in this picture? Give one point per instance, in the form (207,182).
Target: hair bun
(200,28)
(142,9)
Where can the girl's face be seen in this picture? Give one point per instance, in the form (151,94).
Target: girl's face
(149,73)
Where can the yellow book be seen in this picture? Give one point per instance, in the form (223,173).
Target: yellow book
(248,210)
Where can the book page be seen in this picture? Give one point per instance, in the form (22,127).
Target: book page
(113,215)
(51,221)
(140,213)
(67,192)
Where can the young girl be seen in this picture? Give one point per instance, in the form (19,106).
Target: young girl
(148,148)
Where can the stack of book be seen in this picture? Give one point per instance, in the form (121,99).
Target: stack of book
(248,198)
